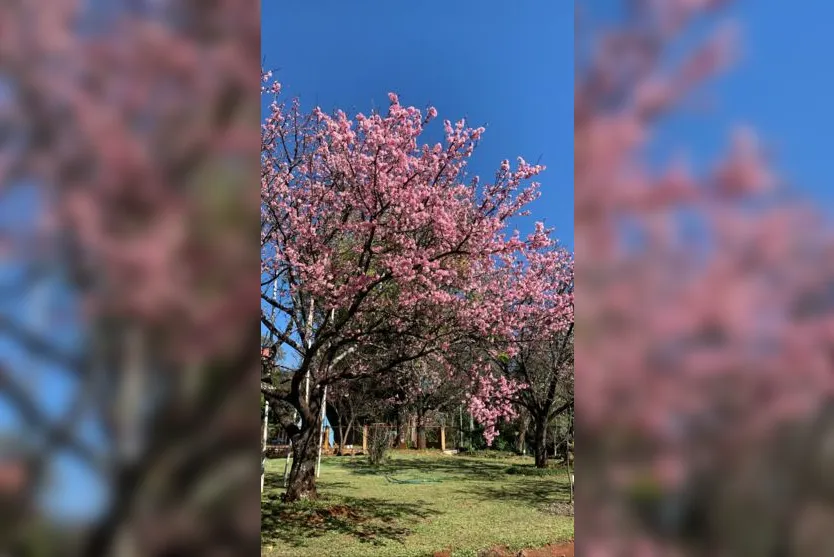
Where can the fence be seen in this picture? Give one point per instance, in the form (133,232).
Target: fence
(356,442)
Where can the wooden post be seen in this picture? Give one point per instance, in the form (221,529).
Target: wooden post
(365,439)
(442,438)
(327,437)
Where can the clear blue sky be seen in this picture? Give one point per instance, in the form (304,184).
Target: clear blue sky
(781,86)
(506,65)
(784,87)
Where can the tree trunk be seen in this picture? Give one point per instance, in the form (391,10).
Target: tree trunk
(421,429)
(400,437)
(522,435)
(302,480)
(348,430)
(341,450)
(340,429)
(541,441)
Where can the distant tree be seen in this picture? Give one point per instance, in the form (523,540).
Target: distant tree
(426,387)
(533,368)
(546,370)
(351,403)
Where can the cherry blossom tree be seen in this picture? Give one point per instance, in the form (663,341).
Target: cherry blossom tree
(427,387)
(706,315)
(533,367)
(376,242)
(128,134)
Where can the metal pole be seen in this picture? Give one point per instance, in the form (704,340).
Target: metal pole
(571,435)
(272,309)
(471,430)
(289,453)
(460,426)
(571,484)
(266,434)
(323,413)
(321,433)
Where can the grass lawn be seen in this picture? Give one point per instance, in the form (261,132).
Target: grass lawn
(475,505)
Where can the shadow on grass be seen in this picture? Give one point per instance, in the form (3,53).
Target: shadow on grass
(369,520)
(275,482)
(456,468)
(539,494)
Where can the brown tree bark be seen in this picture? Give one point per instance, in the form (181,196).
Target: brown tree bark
(346,438)
(421,428)
(541,441)
(399,441)
(522,435)
(302,481)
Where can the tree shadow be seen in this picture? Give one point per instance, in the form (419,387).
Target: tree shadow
(457,468)
(273,482)
(540,494)
(369,520)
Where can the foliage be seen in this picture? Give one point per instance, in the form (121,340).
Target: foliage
(503,445)
(533,366)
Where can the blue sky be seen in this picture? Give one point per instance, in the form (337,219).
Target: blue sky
(505,65)
(781,86)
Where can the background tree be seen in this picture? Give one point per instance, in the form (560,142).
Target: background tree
(351,405)
(533,367)
(546,370)
(425,388)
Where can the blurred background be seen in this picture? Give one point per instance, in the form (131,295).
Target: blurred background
(703,240)
(702,228)
(128,282)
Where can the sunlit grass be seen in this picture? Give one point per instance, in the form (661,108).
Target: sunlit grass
(362,512)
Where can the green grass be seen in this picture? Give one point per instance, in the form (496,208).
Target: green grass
(533,471)
(474,506)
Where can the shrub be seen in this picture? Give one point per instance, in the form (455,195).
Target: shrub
(503,445)
(379,441)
